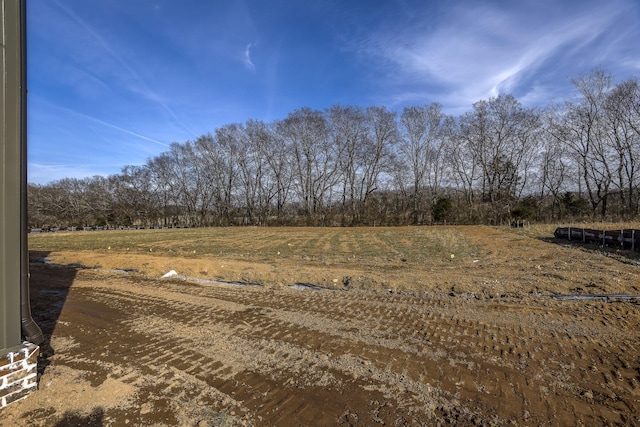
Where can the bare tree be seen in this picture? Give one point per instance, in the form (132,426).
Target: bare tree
(259,187)
(179,174)
(220,157)
(465,171)
(554,166)
(586,136)
(499,135)
(314,161)
(421,147)
(378,151)
(622,112)
(45,206)
(135,199)
(349,165)
(280,162)
(349,136)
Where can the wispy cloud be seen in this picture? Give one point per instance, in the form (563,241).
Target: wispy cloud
(104,123)
(479,50)
(100,41)
(129,132)
(126,73)
(247,58)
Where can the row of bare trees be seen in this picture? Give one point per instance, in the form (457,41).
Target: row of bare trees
(371,166)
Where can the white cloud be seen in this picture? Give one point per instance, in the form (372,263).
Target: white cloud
(478,50)
(247,58)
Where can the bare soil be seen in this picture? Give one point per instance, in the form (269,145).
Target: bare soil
(478,340)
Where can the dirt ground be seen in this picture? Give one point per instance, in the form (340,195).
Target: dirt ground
(474,341)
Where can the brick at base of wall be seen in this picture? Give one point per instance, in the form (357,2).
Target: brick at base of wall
(18,372)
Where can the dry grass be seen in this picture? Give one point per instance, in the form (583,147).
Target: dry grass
(487,261)
(375,257)
(327,245)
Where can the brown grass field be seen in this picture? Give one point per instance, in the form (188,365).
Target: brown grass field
(332,326)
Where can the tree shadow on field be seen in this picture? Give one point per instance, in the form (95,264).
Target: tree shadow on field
(48,287)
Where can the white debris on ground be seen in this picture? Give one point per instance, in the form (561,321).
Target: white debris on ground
(172,273)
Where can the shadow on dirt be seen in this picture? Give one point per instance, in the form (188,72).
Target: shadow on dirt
(71,419)
(624,256)
(49,287)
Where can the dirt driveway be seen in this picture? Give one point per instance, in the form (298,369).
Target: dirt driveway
(128,349)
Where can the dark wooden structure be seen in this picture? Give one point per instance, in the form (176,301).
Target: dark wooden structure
(628,239)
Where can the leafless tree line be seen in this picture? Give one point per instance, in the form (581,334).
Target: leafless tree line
(371,166)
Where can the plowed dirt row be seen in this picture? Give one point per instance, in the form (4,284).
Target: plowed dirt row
(128,350)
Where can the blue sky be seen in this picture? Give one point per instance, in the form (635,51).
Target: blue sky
(114,82)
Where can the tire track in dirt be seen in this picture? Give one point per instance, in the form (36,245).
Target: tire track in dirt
(261,329)
(242,383)
(268,356)
(409,343)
